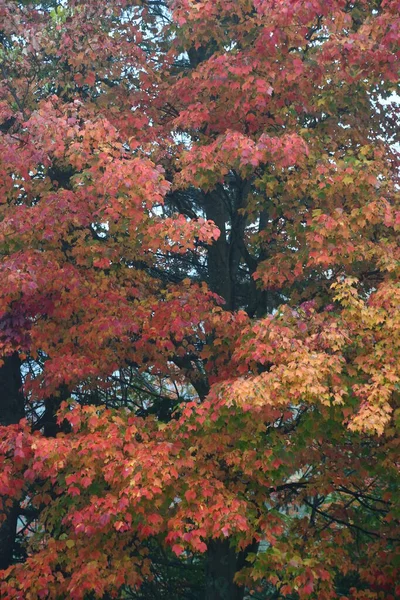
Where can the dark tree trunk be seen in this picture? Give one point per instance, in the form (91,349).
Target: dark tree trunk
(222,564)
(224,258)
(52,405)
(12,410)
(219,276)
(8,532)
(12,405)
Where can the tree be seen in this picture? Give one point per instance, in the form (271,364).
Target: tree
(200,272)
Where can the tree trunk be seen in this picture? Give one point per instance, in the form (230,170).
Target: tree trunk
(52,405)
(12,405)
(12,410)
(222,564)
(223,261)
(219,276)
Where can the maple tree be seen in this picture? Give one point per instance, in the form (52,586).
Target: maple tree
(199,305)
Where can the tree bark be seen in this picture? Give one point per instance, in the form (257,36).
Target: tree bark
(12,410)
(222,564)
(224,258)
(219,276)
(52,405)
(12,405)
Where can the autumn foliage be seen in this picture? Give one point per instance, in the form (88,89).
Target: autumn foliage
(199,258)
